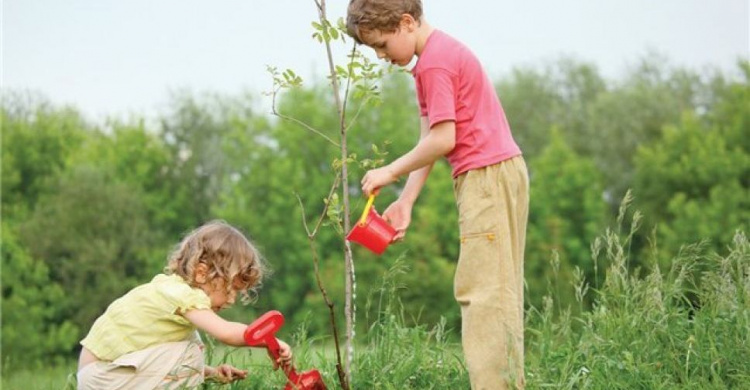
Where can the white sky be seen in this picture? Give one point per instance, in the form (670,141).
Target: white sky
(116,57)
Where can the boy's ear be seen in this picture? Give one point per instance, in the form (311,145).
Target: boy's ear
(201,273)
(408,22)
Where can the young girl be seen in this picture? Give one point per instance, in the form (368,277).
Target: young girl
(147,338)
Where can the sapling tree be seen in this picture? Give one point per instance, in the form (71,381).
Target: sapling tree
(353,83)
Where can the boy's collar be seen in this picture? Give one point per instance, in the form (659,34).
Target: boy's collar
(430,34)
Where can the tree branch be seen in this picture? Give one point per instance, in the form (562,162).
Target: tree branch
(297,121)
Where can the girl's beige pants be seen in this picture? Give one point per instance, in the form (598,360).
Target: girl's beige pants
(177,365)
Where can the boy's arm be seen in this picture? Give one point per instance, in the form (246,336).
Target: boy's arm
(434,143)
(417,178)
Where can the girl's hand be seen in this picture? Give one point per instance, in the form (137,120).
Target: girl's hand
(225,373)
(285,356)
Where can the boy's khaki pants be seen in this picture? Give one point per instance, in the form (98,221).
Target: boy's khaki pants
(177,365)
(493,204)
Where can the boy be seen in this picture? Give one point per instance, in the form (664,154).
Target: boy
(462,119)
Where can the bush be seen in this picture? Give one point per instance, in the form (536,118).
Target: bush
(31,301)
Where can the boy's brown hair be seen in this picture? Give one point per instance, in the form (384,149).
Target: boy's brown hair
(382,15)
(228,254)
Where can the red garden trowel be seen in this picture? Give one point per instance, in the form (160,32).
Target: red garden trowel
(262,333)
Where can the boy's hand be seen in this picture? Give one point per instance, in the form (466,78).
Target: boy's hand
(398,214)
(376,178)
(225,373)
(285,356)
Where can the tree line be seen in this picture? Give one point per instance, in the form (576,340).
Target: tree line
(89,210)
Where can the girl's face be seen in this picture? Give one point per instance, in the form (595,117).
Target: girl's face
(217,292)
(216,288)
(221,297)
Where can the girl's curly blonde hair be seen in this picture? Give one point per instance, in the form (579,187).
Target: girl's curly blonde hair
(227,253)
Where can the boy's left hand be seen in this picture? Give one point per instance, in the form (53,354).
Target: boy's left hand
(376,178)
(398,214)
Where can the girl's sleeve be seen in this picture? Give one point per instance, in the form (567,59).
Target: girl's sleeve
(182,298)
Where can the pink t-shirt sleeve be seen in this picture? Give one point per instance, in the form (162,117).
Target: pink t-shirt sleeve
(452,86)
(438,90)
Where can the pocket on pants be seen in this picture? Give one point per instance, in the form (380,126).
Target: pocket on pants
(477,212)
(122,369)
(475,272)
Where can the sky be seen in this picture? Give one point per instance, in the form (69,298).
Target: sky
(122,57)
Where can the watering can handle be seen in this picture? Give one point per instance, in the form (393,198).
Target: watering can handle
(368,206)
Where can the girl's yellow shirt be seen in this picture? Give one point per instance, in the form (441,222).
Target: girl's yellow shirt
(146,316)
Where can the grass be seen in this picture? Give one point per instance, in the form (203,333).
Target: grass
(681,329)
(687,327)
(43,378)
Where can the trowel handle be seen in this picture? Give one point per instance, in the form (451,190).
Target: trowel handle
(262,332)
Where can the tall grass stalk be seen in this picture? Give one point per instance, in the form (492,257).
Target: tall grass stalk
(401,357)
(686,329)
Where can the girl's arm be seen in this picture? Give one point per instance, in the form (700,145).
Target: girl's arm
(229,332)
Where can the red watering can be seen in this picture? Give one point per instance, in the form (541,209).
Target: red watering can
(372,231)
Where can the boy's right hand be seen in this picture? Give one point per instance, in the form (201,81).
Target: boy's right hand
(376,178)
(398,214)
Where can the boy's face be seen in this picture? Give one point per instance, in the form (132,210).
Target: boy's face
(398,47)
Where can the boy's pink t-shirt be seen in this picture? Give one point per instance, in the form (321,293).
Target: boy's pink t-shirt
(451,85)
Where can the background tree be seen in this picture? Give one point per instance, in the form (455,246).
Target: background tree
(37,141)
(651,96)
(193,131)
(32,308)
(694,185)
(136,157)
(93,236)
(567,211)
(604,121)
